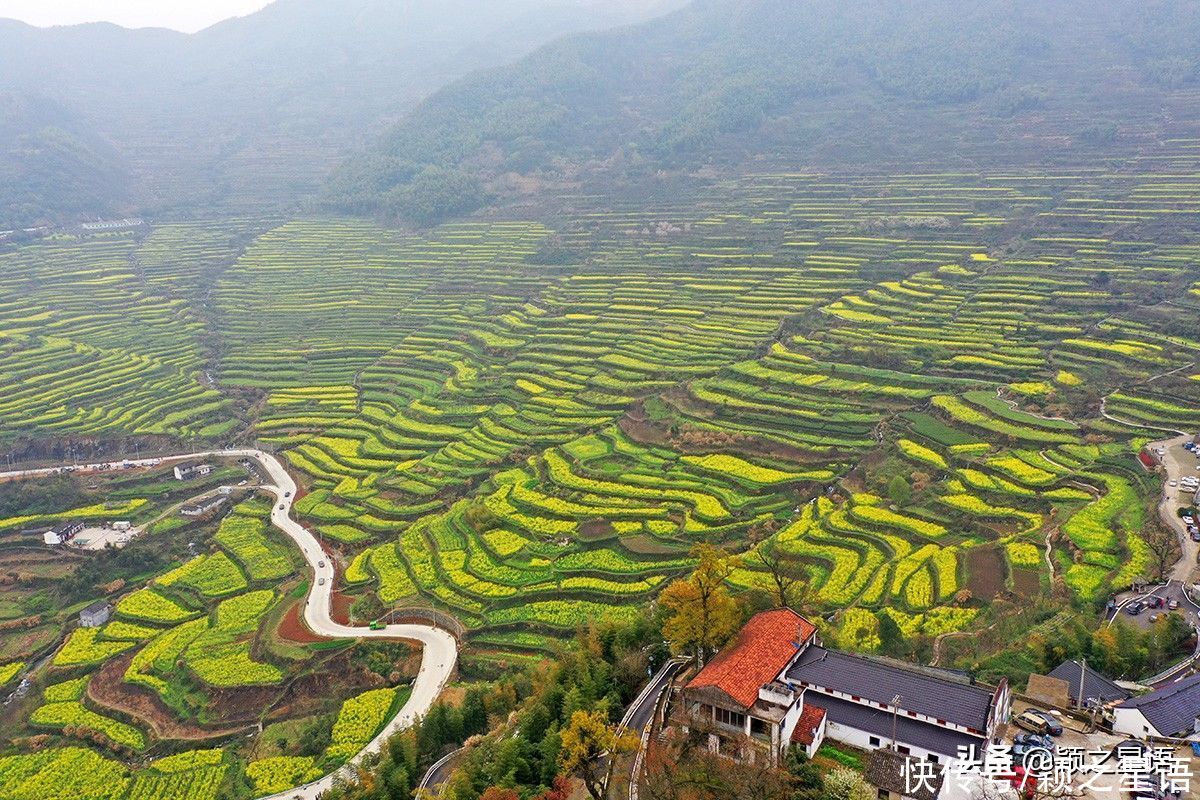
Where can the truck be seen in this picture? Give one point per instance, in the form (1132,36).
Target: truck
(377,625)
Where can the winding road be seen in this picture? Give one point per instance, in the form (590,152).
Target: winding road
(440,648)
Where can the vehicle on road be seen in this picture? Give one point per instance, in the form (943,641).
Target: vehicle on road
(320,581)
(282,506)
(1173,482)
(377,625)
(287,494)
(321,564)
(1134,608)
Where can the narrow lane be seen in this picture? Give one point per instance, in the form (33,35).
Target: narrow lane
(440,649)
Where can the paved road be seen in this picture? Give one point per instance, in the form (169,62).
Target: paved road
(440,648)
(640,714)
(1178,462)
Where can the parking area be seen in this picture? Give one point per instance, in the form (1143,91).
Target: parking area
(99,538)
(1112,781)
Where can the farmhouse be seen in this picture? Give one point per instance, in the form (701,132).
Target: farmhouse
(775,687)
(62,533)
(1173,711)
(1086,686)
(203,506)
(186,472)
(96,614)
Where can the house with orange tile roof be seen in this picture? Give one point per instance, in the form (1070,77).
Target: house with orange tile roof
(775,687)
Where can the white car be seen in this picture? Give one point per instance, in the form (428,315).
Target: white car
(1173,483)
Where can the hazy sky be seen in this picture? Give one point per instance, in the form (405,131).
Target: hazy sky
(182,15)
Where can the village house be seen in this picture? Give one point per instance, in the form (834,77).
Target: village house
(1173,711)
(186,472)
(1087,688)
(775,687)
(96,614)
(62,533)
(203,506)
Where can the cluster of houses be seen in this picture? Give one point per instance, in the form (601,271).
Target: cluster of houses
(776,687)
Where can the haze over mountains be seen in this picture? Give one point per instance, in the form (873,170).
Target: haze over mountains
(450,105)
(251,113)
(799,83)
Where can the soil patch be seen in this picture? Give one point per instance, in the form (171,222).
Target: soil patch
(339,608)
(1026,582)
(985,572)
(108,689)
(596,529)
(292,629)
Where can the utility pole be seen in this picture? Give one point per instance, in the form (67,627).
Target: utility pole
(895,719)
(1082,674)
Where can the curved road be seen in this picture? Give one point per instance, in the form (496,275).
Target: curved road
(440,648)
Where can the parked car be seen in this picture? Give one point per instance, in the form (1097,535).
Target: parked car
(1135,608)
(1021,756)
(1173,604)
(1034,740)
(1032,721)
(1154,617)
(1195,532)
(1154,601)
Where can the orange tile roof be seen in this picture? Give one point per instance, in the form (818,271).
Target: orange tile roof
(806,726)
(761,650)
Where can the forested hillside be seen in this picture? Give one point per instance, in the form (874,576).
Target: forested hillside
(252,113)
(49,159)
(795,83)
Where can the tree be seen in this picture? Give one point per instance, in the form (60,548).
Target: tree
(586,741)
(846,784)
(899,490)
(498,793)
(702,612)
(787,574)
(1163,545)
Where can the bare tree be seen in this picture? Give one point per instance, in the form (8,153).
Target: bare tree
(1163,545)
(787,573)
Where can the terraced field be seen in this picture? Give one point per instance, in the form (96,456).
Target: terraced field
(918,384)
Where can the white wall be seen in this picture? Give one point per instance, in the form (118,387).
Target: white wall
(862,740)
(1132,722)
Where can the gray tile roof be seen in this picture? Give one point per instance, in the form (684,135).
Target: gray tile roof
(920,691)
(1172,710)
(886,769)
(876,721)
(1095,685)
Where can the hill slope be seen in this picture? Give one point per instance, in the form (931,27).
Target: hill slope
(49,159)
(251,113)
(801,81)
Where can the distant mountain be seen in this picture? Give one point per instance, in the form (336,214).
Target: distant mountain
(253,112)
(789,83)
(49,160)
